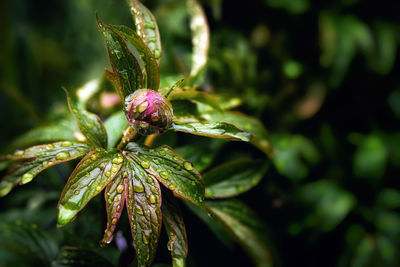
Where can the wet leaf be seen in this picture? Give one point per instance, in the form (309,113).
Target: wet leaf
(143,202)
(73,256)
(184,109)
(146,27)
(88,179)
(175,228)
(123,62)
(36,159)
(115,195)
(234,178)
(245,226)
(115,125)
(197,96)
(90,124)
(171,170)
(200,37)
(217,130)
(149,61)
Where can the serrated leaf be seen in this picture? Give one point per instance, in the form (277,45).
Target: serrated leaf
(88,179)
(149,61)
(200,37)
(171,170)
(146,27)
(115,126)
(198,96)
(217,130)
(123,62)
(38,158)
(234,178)
(73,256)
(244,225)
(90,124)
(143,202)
(115,195)
(252,125)
(175,228)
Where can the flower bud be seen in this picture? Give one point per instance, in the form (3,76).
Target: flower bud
(148,111)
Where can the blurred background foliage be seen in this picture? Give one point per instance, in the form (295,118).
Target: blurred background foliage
(321,75)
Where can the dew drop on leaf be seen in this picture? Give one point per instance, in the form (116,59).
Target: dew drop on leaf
(27,178)
(188,166)
(66,143)
(145,164)
(152,199)
(164,174)
(62,155)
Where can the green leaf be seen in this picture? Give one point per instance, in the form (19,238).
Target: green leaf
(217,130)
(245,226)
(184,110)
(115,126)
(115,195)
(146,27)
(175,228)
(171,170)
(198,96)
(123,62)
(38,158)
(73,256)
(252,125)
(64,130)
(88,179)
(200,37)
(149,62)
(143,202)
(234,178)
(89,124)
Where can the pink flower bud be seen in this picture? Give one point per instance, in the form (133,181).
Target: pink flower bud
(148,111)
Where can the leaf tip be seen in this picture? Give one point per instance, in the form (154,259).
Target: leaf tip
(5,188)
(65,215)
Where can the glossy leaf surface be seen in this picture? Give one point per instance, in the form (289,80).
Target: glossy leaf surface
(115,195)
(171,170)
(175,228)
(146,27)
(88,179)
(115,125)
(234,178)
(90,124)
(217,130)
(36,159)
(149,61)
(143,202)
(245,226)
(123,62)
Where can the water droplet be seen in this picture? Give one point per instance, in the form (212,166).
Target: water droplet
(139,188)
(145,164)
(114,221)
(98,188)
(164,174)
(87,175)
(152,199)
(76,192)
(66,143)
(125,175)
(157,53)
(27,178)
(139,211)
(45,163)
(176,158)
(142,107)
(42,154)
(117,160)
(188,166)
(108,173)
(62,155)
(172,187)
(114,169)
(19,152)
(163,153)
(116,198)
(93,157)
(145,240)
(49,146)
(130,196)
(193,183)
(149,180)
(118,53)
(120,188)
(118,208)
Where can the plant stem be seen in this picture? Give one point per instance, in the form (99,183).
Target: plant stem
(150,139)
(128,135)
